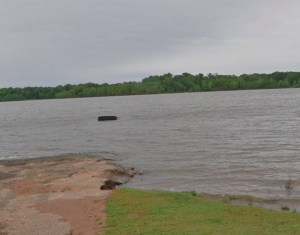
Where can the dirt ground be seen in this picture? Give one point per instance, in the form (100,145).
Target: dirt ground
(55,195)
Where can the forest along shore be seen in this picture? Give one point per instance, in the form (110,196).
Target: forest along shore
(166,83)
(56,195)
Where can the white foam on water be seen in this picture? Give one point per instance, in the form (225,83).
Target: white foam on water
(17,157)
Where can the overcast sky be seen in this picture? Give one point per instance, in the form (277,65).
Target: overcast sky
(55,42)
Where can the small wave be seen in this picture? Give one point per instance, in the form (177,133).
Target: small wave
(17,157)
(20,157)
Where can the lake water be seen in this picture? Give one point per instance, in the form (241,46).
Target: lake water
(236,142)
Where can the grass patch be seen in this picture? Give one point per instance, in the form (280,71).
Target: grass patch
(232,197)
(133,212)
(285,208)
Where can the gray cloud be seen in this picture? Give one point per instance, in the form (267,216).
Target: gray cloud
(47,43)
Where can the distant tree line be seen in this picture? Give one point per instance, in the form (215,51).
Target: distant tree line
(167,83)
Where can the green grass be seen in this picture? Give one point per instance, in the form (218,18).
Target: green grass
(285,208)
(133,212)
(193,193)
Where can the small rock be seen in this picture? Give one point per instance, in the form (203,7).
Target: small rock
(110,185)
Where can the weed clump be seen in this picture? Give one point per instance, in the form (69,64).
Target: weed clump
(250,201)
(232,197)
(285,208)
(288,184)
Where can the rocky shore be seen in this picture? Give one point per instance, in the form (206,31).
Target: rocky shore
(56,195)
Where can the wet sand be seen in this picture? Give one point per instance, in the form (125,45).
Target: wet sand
(55,195)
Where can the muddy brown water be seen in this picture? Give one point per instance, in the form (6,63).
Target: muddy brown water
(235,142)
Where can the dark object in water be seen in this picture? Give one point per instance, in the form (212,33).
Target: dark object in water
(109,185)
(107,118)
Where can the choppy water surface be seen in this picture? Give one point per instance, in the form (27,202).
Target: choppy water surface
(239,142)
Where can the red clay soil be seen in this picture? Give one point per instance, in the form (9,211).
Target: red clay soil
(55,195)
(87,215)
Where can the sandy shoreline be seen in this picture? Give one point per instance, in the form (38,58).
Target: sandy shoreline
(61,195)
(55,195)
